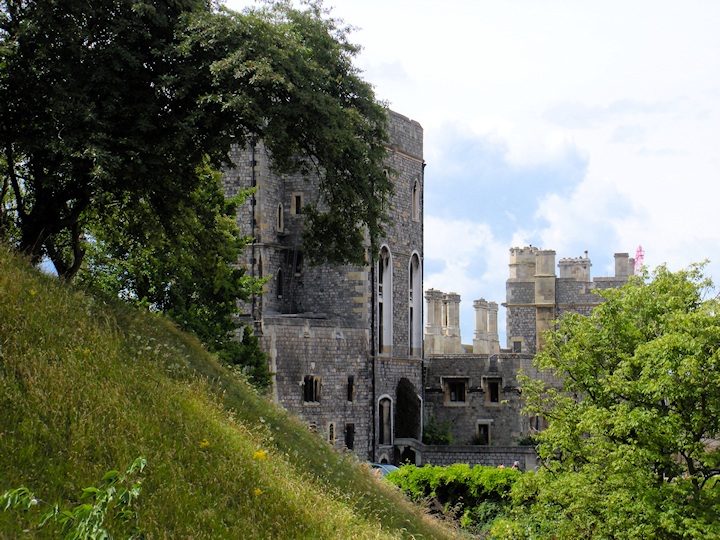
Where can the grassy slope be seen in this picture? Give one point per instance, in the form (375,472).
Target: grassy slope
(86,387)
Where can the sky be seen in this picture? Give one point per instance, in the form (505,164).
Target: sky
(564,124)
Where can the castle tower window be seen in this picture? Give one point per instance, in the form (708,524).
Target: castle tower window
(482,435)
(416,201)
(331,433)
(297,204)
(279,283)
(385,421)
(415,307)
(349,436)
(298,262)
(311,389)
(493,390)
(455,391)
(280,222)
(517,346)
(385,306)
(351,388)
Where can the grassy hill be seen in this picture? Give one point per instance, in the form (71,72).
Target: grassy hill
(87,386)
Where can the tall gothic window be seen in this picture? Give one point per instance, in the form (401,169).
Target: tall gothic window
(385,421)
(415,306)
(280,225)
(385,304)
(416,201)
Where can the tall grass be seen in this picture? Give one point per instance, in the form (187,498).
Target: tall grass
(87,385)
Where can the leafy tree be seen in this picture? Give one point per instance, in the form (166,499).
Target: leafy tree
(186,271)
(107,102)
(114,112)
(629,450)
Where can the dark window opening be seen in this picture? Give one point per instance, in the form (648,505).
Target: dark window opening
(456,391)
(351,388)
(493,388)
(483,434)
(298,204)
(331,434)
(311,389)
(349,436)
(517,346)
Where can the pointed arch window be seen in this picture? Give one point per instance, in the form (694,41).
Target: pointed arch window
(280,219)
(385,420)
(279,283)
(415,306)
(385,304)
(416,201)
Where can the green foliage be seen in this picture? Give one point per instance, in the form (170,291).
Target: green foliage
(247,355)
(110,508)
(528,440)
(477,494)
(184,270)
(112,103)
(88,382)
(435,432)
(626,454)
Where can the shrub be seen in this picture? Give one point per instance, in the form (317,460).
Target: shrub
(437,433)
(477,494)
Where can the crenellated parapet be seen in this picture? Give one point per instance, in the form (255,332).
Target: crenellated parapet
(536,296)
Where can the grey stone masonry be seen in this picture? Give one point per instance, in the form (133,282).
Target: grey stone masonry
(316,322)
(536,296)
(486,456)
(478,394)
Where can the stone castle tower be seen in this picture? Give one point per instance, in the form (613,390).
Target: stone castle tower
(536,295)
(339,338)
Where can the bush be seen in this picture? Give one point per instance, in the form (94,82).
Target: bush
(477,494)
(437,433)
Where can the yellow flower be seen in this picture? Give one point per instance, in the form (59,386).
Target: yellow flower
(260,455)
(258,491)
(205,443)
(32,292)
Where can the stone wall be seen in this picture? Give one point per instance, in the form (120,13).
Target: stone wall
(298,347)
(487,456)
(316,321)
(535,296)
(503,419)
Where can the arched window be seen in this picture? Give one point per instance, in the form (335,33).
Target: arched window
(415,306)
(385,304)
(279,283)
(416,201)
(385,420)
(331,433)
(280,223)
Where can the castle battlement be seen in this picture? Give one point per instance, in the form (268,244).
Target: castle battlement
(537,296)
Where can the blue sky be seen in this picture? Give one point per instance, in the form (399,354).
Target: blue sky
(567,125)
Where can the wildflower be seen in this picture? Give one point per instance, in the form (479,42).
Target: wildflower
(258,491)
(260,455)
(205,443)
(32,292)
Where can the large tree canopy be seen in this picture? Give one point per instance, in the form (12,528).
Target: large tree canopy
(115,102)
(631,450)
